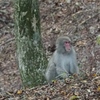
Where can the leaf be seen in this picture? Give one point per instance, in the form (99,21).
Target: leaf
(68,1)
(64,75)
(81,43)
(63,92)
(54,81)
(47,98)
(94,75)
(98,39)
(89,90)
(19,92)
(84,81)
(74,97)
(98,89)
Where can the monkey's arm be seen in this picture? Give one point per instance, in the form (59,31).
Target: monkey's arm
(73,65)
(62,70)
(51,70)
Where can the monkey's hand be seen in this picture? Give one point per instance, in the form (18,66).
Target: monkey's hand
(62,75)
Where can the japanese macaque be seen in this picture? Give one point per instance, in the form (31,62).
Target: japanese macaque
(63,62)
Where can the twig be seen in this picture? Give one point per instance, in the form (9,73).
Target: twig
(84,21)
(83,11)
(11,39)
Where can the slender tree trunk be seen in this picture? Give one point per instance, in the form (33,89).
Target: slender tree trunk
(31,57)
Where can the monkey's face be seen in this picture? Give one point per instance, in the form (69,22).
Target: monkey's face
(63,45)
(67,46)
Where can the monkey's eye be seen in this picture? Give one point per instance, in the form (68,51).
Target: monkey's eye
(67,42)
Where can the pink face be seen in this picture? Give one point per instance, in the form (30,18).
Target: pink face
(67,46)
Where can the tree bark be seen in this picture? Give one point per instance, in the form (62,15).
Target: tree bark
(31,57)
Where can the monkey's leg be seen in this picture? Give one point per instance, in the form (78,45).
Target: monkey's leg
(51,73)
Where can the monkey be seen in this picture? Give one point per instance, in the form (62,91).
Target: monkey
(63,61)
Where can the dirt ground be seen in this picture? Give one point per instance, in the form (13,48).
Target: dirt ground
(78,19)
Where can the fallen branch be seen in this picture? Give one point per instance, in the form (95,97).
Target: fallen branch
(84,21)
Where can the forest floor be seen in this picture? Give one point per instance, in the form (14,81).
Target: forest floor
(78,19)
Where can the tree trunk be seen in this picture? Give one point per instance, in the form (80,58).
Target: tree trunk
(31,57)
